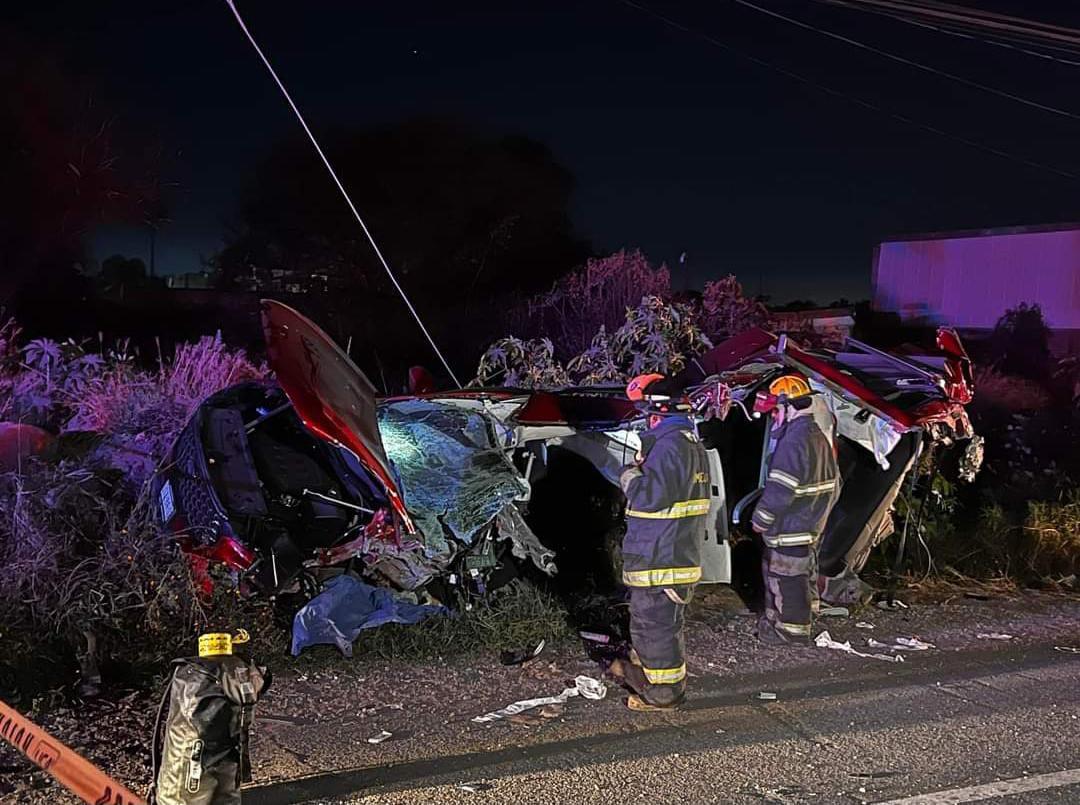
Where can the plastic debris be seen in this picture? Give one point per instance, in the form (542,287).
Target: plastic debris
(521,656)
(595,637)
(891,604)
(901,644)
(1067,649)
(382,736)
(993,636)
(472,788)
(825,640)
(766,696)
(584,686)
(833,612)
(864,625)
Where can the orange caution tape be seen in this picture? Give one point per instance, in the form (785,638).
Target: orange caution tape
(74,772)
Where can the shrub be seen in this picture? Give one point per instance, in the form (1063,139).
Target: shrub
(656,336)
(1020,343)
(726,311)
(1051,544)
(521,364)
(595,296)
(82,567)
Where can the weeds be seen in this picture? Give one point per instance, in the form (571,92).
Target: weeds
(515,616)
(1051,536)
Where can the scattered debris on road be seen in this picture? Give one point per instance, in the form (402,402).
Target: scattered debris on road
(1067,649)
(380,737)
(901,644)
(765,696)
(864,625)
(825,640)
(890,604)
(833,612)
(584,686)
(993,636)
(473,788)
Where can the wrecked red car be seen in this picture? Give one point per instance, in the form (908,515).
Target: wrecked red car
(289,483)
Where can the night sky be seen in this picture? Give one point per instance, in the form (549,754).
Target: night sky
(677,145)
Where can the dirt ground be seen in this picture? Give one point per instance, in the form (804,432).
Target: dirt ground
(312,722)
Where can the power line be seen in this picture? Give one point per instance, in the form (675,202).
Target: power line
(827,90)
(984,19)
(344,193)
(1018,43)
(909,62)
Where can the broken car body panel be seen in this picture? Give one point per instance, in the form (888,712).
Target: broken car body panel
(334,399)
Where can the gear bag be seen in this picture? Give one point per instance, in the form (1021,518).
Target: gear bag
(211,703)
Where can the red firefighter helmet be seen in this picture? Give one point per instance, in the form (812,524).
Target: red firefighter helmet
(643,391)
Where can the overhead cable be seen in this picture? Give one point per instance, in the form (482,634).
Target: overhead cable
(827,90)
(344,193)
(909,62)
(973,31)
(985,19)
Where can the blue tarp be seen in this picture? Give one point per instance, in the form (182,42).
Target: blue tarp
(346,606)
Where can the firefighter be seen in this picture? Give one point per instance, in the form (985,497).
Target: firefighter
(667,492)
(802,485)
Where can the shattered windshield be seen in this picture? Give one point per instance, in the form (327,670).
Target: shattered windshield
(454,477)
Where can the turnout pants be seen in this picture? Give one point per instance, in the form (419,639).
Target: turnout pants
(656,629)
(791,590)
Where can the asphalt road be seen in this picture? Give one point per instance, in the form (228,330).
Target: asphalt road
(941,729)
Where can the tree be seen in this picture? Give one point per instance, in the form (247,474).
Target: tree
(464,219)
(1020,342)
(120,270)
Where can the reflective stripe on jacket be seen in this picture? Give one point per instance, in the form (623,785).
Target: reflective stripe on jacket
(801,487)
(667,501)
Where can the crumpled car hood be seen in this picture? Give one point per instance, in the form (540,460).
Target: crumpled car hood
(332,397)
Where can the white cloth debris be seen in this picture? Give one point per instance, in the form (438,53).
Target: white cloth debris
(993,636)
(378,739)
(833,612)
(864,625)
(895,603)
(584,686)
(901,644)
(825,640)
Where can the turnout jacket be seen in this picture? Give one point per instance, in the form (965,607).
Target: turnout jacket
(667,502)
(801,487)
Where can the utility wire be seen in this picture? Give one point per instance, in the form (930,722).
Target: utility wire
(962,31)
(908,121)
(344,193)
(909,62)
(984,19)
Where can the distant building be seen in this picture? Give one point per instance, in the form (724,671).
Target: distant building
(193,280)
(288,281)
(969,279)
(833,325)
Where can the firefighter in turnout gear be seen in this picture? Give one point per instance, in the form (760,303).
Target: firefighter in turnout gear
(802,485)
(667,493)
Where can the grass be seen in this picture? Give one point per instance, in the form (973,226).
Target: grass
(517,616)
(1051,536)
